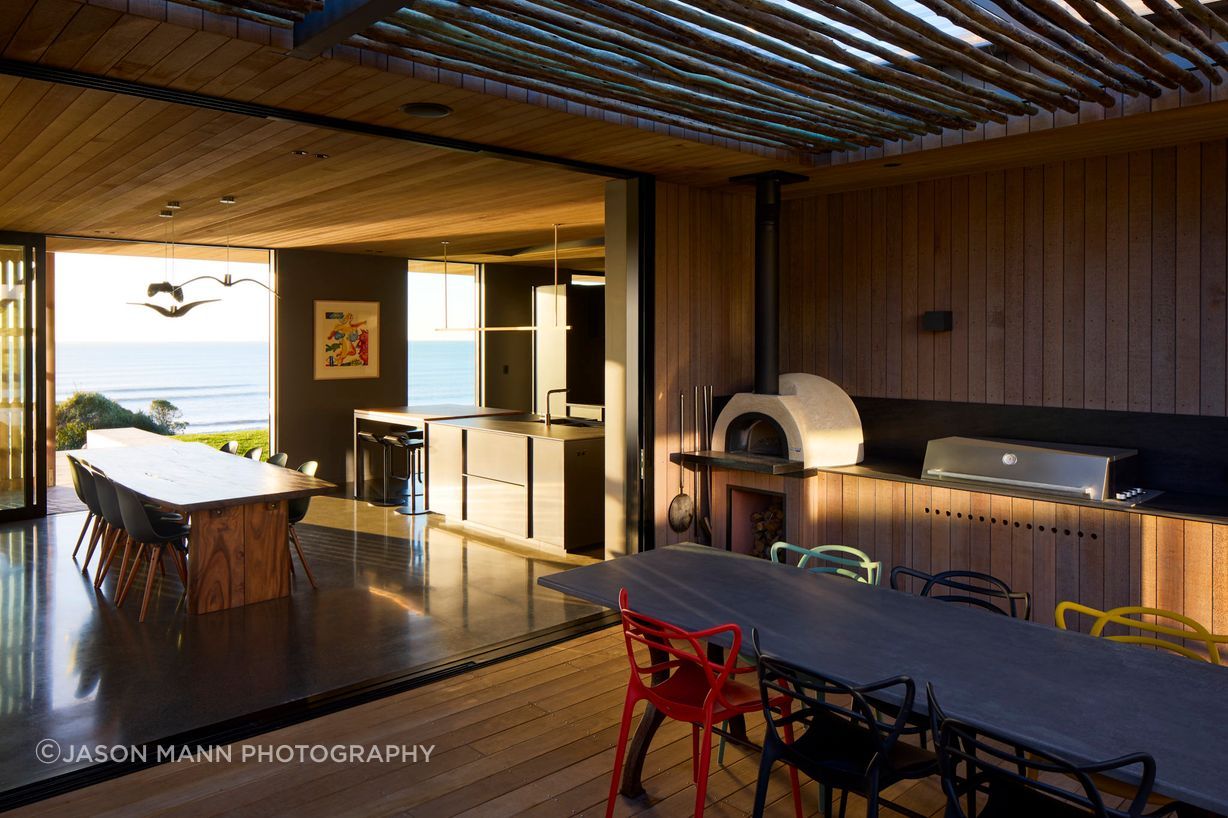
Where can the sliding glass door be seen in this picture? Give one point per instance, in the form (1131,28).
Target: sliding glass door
(22,360)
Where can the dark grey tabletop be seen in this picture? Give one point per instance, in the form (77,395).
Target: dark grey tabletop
(1086,698)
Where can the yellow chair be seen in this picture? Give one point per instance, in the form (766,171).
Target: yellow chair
(1151,633)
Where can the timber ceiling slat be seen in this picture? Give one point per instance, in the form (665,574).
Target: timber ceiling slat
(810,75)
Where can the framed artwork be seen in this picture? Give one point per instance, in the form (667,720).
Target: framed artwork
(346,340)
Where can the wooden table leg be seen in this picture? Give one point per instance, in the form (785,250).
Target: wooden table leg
(238,555)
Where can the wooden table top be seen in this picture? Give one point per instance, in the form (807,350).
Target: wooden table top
(432,411)
(191,476)
(1065,692)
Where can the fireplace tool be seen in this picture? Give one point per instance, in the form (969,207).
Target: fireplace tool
(682,507)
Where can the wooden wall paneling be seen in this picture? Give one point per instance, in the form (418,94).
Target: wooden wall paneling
(821,299)
(981,529)
(850,522)
(1001,562)
(1116,547)
(1187,284)
(909,292)
(833,501)
(1090,540)
(958,303)
(901,530)
(876,283)
(960,505)
(863,314)
(833,327)
(977,305)
(1214,328)
(1219,579)
(1072,276)
(1197,580)
(1066,553)
(925,287)
(893,293)
(995,287)
(1094,269)
(922,527)
(1054,293)
(1163,249)
(942,285)
(940,530)
(1044,562)
(1170,555)
(850,250)
(867,524)
(884,523)
(1016,255)
(1143,572)
(1139,350)
(1034,286)
(1022,533)
(1117,302)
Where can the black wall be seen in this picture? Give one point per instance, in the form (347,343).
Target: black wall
(314,419)
(507,357)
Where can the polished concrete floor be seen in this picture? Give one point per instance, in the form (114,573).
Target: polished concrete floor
(396,594)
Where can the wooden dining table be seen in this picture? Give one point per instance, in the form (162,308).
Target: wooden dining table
(1060,691)
(238,546)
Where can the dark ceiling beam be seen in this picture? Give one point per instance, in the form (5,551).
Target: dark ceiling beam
(337,22)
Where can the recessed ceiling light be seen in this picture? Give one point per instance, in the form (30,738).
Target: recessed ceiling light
(298,153)
(426,110)
(321,156)
(173,205)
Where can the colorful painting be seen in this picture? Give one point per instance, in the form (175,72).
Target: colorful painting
(346,339)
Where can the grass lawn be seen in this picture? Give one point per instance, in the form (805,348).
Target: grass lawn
(247,439)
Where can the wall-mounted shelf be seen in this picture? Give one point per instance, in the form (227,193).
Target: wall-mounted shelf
(740,461)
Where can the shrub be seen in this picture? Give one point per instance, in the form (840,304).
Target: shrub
(83,411)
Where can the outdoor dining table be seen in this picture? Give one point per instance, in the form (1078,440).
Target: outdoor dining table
(238,548)
(1065,692)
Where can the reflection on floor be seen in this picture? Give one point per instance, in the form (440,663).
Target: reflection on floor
(395,593)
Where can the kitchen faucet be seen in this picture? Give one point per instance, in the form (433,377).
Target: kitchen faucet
(548,394)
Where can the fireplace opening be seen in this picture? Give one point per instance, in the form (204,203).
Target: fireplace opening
(756,433)
(756,520)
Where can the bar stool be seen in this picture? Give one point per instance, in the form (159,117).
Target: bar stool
(383,501)
(413,443)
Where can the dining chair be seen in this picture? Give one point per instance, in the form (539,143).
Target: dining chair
(1150,631)
(279,459)
(114,536)
(254,453)
(679,679)
(155,536)
(971,588)
(83,485)
(831,732)
(841,560)
(992,775)
(297,510)
(230,447)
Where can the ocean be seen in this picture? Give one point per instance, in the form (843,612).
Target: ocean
(224,386)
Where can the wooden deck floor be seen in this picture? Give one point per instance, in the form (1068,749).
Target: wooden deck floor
(533,736)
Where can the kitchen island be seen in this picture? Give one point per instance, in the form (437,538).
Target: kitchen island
(520,477)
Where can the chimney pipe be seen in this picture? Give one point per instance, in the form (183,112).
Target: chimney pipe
(767,275)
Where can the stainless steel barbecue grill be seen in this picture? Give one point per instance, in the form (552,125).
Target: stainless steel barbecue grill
(1058,469)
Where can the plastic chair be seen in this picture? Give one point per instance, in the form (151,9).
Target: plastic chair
(154,535)
(279,459)
(1007,774)
(841,560)
(831,732)
(972,588)
(296,511)
(83,485)
(230,447)
(681,682)
(115,534)
(1130,617)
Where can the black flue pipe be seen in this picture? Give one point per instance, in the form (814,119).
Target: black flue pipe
(767,275)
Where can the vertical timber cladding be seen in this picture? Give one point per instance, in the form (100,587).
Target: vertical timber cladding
(1094,283)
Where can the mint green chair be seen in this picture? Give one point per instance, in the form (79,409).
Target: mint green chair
(841,560)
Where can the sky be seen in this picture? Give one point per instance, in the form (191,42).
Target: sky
(426,305)
(92,292)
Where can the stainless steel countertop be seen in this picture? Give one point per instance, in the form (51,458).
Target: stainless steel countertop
(526,428)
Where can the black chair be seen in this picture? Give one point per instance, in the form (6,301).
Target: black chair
(83,485)
(991,775)
(114,533)
(297,510)
(230,447)
(279,459)
(412,442)
(968,588)
(254,453)
(155,536)
(841,746)
(384,500)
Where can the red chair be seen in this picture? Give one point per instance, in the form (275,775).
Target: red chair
(684,685)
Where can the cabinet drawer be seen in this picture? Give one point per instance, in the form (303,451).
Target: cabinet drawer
(504,506)
(496,456)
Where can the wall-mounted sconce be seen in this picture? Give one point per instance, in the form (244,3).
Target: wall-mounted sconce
(938,321)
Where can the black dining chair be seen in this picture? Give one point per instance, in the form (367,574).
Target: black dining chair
(114,536)
(254,453)
(230,447)
(987,774)
(83,485)
(839,740)
(155,536)
(278,459)
(297,511)
(971,588)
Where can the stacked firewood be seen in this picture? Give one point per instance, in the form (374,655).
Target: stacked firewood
(768,527)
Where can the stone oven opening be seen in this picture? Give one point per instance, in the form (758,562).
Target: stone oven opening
(756,433)
(756,520)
